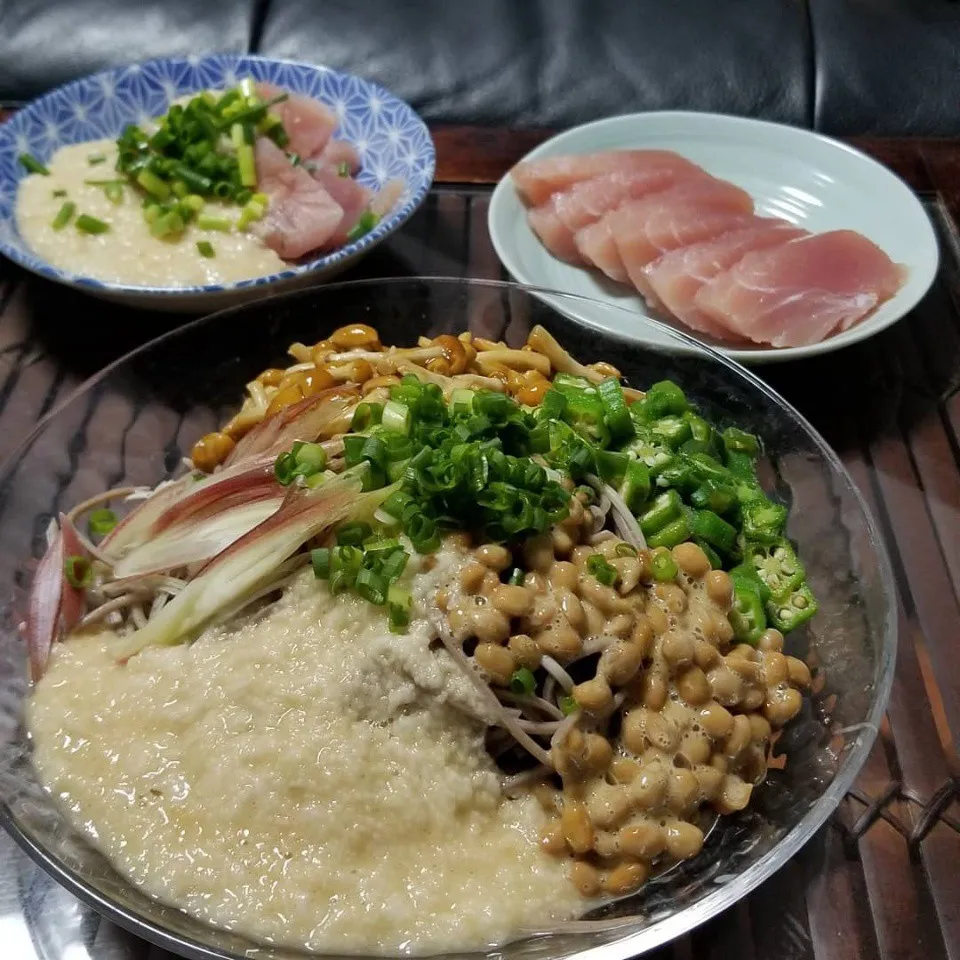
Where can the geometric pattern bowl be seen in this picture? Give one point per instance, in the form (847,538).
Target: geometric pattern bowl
(392,140)
(133,422)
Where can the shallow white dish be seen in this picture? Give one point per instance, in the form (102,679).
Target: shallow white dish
(803,177)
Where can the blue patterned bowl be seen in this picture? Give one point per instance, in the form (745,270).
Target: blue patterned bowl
(391,138)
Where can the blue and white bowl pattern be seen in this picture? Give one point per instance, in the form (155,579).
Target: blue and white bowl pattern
(392,140)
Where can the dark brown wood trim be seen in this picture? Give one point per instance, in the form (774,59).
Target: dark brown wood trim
(482,155)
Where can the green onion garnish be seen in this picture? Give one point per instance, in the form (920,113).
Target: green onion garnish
(78,571)
(33,166)
(663,567)
(399,605)
(88,224)
(205,249)
(153,184)
(59,193)
(63,215)
(101,522)
(517,576)
(320,561)
(568,705)
(523,682)
(343,169)
(95,158)
(114,192)
(372,586)
(241,136)
(220,224)
(368,220)
(603,571)
(353,534)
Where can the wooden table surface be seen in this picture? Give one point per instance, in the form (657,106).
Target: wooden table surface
(881,880)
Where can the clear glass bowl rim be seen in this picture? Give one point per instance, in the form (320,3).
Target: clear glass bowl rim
(662,931)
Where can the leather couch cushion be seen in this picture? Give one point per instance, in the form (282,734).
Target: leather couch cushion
(46,42)
(559,62)
(887,66)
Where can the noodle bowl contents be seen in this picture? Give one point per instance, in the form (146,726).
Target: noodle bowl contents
(432,647)
(226,186)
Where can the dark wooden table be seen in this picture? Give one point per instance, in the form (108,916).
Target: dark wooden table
(881,881)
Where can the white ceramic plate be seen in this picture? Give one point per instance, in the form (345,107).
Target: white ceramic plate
(803,177)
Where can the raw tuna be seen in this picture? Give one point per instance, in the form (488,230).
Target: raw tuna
(556,221)
(537,180)
(339,151)
(676,276)
(800,292)
(596,245)
(309,123)
(302,216)
(693,211)
(387,197)
(353,197)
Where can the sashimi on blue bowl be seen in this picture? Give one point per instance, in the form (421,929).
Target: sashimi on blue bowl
(197,183)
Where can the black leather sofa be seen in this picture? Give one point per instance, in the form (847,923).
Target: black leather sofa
(888,67)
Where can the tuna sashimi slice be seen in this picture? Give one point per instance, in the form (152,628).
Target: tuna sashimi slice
(596,245)
(690,212)
(677,275)
(353,197)
(798,293)
(556,221)
(537,180)
(309,123)
(302,216)
(340,151)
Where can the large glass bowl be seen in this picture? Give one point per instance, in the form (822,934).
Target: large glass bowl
(132,423)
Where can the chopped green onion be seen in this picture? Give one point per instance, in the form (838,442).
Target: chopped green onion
(399,605)
(371,586)
(33,166)
(87,224)
(114,192)
(205,249)
(167,223)
(603,571)
(78,571)
(220,224)
(242,139)
(353,534)
(568,705)
(320,561)
(368,220)
(59,193)
(310,456)
(251,212)
(394,565)
(517,576)
(625,550)
(247,88)
(663,567)
(153,184)
(523,682)
(95,158)
(101,522)
(396,417)
(63,215)
(343,169)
